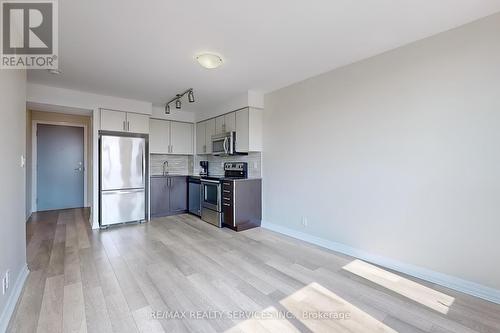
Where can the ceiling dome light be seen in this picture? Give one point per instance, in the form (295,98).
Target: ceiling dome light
(209,60)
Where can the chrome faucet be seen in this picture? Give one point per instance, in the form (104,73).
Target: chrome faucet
(165,168)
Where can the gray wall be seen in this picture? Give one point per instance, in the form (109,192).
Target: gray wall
(397,155)
(12,180)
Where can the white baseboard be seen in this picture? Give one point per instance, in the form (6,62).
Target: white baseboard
(10,306)
(448,281)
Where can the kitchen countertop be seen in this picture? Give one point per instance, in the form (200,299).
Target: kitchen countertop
(199,177)
(229,178)
(246,179)
(169,175)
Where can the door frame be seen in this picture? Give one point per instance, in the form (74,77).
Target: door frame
(34,158)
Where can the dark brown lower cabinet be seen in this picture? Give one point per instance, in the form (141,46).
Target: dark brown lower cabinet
(242,203)
(168,195)
(178,195)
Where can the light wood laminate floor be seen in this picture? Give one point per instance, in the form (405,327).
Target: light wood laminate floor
(172,273)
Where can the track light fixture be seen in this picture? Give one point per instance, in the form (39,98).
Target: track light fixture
(191,96)
(177,100)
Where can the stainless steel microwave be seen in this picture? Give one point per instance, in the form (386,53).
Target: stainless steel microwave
(224,144)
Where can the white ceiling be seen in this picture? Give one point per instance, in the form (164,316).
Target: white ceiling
(145,49)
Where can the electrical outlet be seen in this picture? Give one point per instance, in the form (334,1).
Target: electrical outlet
(304,221)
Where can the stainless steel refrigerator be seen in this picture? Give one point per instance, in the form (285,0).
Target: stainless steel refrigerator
(123,172)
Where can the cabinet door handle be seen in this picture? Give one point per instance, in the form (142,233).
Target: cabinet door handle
(124,128)
(128,125)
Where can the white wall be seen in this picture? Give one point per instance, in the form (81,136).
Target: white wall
(12,180)
(397,155)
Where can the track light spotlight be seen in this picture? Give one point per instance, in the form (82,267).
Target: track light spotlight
(177,100)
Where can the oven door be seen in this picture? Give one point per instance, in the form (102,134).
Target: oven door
(211,197)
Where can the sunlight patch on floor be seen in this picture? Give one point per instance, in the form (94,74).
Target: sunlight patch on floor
(424,295)
(316,308)
(339,315)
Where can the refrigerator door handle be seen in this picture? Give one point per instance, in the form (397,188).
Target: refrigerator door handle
(143,169)
(122,191)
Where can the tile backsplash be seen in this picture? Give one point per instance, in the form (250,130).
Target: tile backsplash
(216,163)
(189,165)
(177,164)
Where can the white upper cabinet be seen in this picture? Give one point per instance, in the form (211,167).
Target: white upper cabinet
(119,121)
(201,146)
(113,121)
(225,123)
(181,138)
(230,122)
(170,137)
(247,123)
(248,130)
(209,131)
(137,123)
(159,136)
(219,125)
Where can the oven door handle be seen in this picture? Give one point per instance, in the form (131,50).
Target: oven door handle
(208,181)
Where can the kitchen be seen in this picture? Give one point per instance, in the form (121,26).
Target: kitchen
(210,169)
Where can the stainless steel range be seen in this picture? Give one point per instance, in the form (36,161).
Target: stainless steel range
(211,186)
